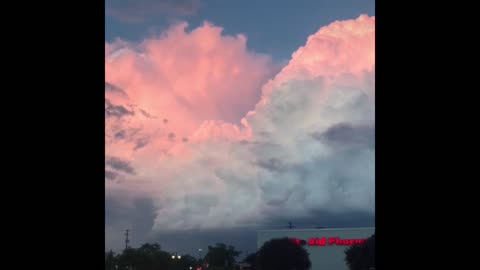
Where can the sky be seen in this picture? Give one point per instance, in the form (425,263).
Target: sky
(225,117)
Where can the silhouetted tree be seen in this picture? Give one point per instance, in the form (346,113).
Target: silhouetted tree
(146,257)
(251,259)
(151,257)
(127,259)
(221,256)
(110,260)
(282,254)
(361,256)
(185,263)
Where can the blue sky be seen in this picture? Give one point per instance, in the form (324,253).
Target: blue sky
(274,27)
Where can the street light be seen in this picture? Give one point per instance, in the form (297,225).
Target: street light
(179,257)
(173,256)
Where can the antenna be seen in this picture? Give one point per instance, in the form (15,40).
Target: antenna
(126,238)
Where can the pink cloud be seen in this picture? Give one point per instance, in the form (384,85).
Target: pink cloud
(189,77)
(237,147)
(342,50)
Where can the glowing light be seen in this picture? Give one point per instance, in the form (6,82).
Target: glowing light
(315,241)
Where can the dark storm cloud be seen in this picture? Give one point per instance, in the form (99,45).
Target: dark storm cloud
(146,114)
(110,175)
(346,133)
(120,135)
(140,143)
(114,89)
(136,11)
(118,111)
(144,215)
(119,165)
(132,135)
(324,219)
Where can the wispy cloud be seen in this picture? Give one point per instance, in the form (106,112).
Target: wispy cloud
(119,165)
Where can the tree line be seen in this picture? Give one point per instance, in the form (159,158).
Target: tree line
(276,254)
(152,257)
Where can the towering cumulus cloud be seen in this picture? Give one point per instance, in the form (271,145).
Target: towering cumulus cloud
(203,129)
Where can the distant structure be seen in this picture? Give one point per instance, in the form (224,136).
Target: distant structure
(126,238)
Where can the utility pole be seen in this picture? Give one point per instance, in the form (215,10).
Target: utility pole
(126,238)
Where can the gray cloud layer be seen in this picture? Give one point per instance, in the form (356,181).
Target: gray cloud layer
(139,218)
